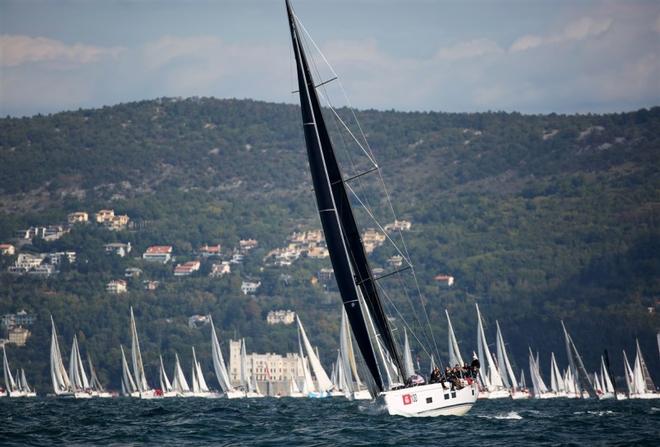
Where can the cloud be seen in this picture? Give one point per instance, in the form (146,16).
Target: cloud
(16,50)
(469,49)
(574,31)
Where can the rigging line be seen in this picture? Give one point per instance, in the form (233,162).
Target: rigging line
(356,176)
(412,332)
(379,225)
(414,274)
(318,85)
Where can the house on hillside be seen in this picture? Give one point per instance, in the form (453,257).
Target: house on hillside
(116,286)
(7,250)
(77,217)
(208,251)
(118,248)
(187,268)
(158,253)
(444,280)
(250,287)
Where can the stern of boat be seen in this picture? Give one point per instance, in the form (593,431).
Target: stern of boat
(430,400)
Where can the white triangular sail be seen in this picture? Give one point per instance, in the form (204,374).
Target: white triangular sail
(179,383)
(628,373)
(492,379)
(453,349)
(24,384)
(10,383)
(245,373)
(505,369)
(59,376)
(77,372)
(322,379)
(128,386)
(606,381)
(219,362)
(649,386)
(556,379)
(578,371)
(94,382)
(136,356)
(165,384)
(535,373)
(199,383)
(409,368)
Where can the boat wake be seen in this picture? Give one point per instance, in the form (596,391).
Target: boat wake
(597,413)
(511,415)
(373,408)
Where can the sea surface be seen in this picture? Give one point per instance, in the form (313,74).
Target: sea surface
(317,422)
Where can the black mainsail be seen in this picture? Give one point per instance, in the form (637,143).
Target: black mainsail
(349,260)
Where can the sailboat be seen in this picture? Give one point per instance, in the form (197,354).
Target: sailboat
(354,388)
(642,386)
(199,386)
(179,383)
(60,378)
(166,388)
(145,392)
(557,385)
(607,388)
(77,375)
(248,376)
(505,369)
(323,383)
(584,386)
(221,368)
(97,388)
(128,386)
(455,357)
(355,280)
(15,387)
(540,389)
(489,373)
(294,389)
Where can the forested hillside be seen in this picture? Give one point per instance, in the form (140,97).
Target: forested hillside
(539,218)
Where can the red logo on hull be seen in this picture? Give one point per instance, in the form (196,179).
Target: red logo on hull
(407,399)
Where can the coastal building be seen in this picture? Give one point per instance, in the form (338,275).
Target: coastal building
(151,285)
(208,251)
(132,272)
(118,248)
(104,216)
(18,335)
(444,280)
(325,275)
(246,245)
(20,318)
(77,217)
(276,369)
(221,269)
(250,287)
(197,321)
(372,239)
(395,261)
(187,268)
(7,250)
(158,253)
(285,317)
(116,286)
(398,225)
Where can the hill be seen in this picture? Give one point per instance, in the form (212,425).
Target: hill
(539,218)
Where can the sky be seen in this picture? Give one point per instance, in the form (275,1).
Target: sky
(531,56)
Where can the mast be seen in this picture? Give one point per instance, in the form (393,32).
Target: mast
(577,366)
(136,355)
(349,260)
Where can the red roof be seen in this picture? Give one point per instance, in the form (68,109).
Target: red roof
(160,249)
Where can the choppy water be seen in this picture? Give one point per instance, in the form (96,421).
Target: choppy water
(306,422)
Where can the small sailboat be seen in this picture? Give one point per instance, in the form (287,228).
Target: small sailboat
(584,386)
(179,383)
(145,392)
(166,388)
(641,386)
(248,378)
(59,377)
(353,386)
(505,369)
(199,386)
(557,385)
(489,373)
(355,280)
(97,388)
(540,389)
(77,374)
(607,387)
(294,389)
(323,382)
(128,386)
(221,368)
(15,387)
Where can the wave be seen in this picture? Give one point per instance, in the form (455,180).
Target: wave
(513,415)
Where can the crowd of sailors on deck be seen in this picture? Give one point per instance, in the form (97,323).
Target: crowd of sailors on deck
(453,378)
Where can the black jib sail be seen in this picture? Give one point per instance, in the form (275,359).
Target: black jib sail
(349,261)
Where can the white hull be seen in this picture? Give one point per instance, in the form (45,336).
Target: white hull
(550,395)
(16,394)
(253,395)
(318,395)
(362,395)
(296,395)
(208,395)
(337,394)
(103,394)
(606,396)
(497,394)
(621,396)
(645,396)
(517,395)
(430,400)
(234,394)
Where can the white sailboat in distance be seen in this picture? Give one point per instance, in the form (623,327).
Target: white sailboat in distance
(355,280)
(15,387)
(145,392)
(220,368)
(59,377)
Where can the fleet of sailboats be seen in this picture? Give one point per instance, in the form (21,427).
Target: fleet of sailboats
(15,387)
